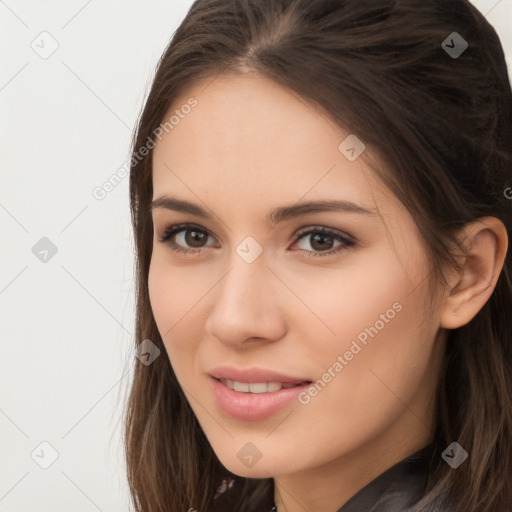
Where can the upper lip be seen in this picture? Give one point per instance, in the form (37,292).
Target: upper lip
(252,375)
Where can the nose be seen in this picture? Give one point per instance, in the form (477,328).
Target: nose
(247,305)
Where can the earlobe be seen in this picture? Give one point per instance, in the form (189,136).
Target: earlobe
(486,241)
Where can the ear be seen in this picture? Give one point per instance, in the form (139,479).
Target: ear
(486,243)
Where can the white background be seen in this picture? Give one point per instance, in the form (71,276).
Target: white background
(66,325)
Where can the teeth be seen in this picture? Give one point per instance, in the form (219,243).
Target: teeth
(256,387)
(274,386)
(241,386)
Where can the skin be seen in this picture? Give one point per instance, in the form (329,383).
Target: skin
(247,147)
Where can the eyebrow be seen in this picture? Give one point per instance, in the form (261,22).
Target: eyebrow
(277,215)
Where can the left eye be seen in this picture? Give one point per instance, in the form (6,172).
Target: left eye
(320,238)
(188,238)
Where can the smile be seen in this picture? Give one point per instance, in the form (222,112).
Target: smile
(257,387)
(254,401)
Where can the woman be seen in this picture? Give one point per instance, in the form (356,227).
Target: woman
(320,196)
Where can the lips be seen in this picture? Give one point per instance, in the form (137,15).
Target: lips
(251,406)
(255,375)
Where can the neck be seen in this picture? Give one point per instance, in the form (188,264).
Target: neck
(329,487)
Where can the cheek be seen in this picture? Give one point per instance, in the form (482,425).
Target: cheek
(373,318)
(175,294)
(162,294)
(345,301)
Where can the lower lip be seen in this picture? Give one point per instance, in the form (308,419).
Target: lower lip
(253,406)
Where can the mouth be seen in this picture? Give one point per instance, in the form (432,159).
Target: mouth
(243,377)
(254,401)
(260,387)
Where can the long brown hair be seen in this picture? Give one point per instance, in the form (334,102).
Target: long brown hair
(442,125)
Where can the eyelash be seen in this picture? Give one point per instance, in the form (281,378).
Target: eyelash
(177,228)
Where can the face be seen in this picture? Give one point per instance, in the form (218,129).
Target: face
(335,298)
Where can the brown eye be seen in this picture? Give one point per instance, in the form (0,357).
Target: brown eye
(321,241)
(195,238)
(189,238)
(185,238)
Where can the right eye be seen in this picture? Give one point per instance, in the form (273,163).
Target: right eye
(185,238)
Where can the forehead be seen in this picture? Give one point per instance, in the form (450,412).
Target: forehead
(251,139)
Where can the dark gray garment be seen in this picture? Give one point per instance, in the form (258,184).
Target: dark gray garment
(398,489)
